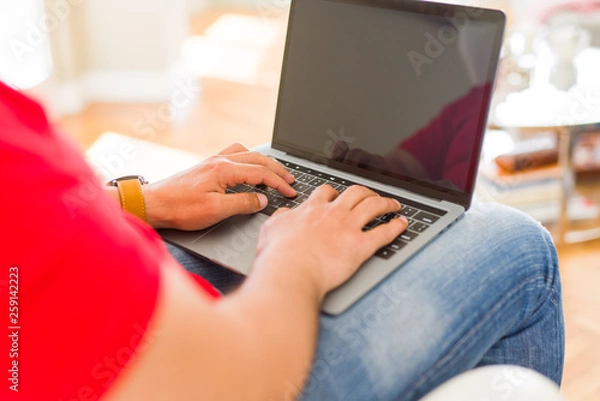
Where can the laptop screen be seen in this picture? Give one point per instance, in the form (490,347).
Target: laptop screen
(397,91)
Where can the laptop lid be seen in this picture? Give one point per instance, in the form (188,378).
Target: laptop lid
(391,90)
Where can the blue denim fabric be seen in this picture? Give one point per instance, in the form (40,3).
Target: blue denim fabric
(222,279)
(486,292)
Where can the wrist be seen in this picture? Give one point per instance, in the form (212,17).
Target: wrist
(291,276)
(129,194)
(157,214)
(114,193)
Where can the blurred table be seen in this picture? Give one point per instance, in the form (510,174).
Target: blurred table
(567,136)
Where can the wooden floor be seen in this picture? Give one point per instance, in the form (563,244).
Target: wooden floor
(580,270)
(227,111)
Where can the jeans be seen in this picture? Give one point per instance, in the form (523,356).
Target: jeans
(486,292)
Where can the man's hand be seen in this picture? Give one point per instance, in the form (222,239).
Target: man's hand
(196,198)
(322,242)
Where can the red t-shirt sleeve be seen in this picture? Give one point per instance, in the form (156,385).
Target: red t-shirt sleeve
(87,273)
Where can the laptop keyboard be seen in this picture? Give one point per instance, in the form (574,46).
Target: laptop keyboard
(420,217)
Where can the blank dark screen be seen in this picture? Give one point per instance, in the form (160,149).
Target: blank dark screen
(388,89)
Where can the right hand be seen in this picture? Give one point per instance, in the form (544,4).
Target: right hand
(323,240)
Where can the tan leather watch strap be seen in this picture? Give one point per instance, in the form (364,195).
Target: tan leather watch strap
(132,197)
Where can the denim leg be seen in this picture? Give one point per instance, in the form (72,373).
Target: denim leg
(486,292)
(222,279)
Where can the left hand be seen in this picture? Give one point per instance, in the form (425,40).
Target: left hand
(195,199)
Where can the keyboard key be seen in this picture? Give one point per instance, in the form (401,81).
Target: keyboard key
(269,210)
(385,253)
(419,227)
(300,169)
(426,218)
(305,179)
(408,211)
(297,174)
(371,225)
(410,221)
(300,187)
(346,183)
(301,198)
(408,236)
(271,192)
(309,190)
(276,201)
(240,189)
(397,245)
(289,204)
(388,217)
(317,182)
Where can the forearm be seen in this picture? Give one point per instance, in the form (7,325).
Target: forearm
(256,344)
(279,310)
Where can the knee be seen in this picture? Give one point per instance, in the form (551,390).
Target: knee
(532,272)
(522,242)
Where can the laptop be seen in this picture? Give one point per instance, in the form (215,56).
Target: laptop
(389,94)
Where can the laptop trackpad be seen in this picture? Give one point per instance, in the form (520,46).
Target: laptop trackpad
(231,243)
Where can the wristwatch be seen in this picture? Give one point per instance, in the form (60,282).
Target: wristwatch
(130,194)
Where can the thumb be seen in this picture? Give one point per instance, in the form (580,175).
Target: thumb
(244,203)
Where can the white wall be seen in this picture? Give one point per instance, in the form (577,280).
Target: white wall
(115,51)
(135,35)
(24,45)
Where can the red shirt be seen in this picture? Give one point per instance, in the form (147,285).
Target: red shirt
(79,278)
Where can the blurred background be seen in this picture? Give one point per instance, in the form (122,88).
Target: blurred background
(151,86)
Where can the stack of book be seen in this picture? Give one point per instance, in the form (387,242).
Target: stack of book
(529,178)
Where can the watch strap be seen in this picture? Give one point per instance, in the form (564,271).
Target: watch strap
(132,197)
